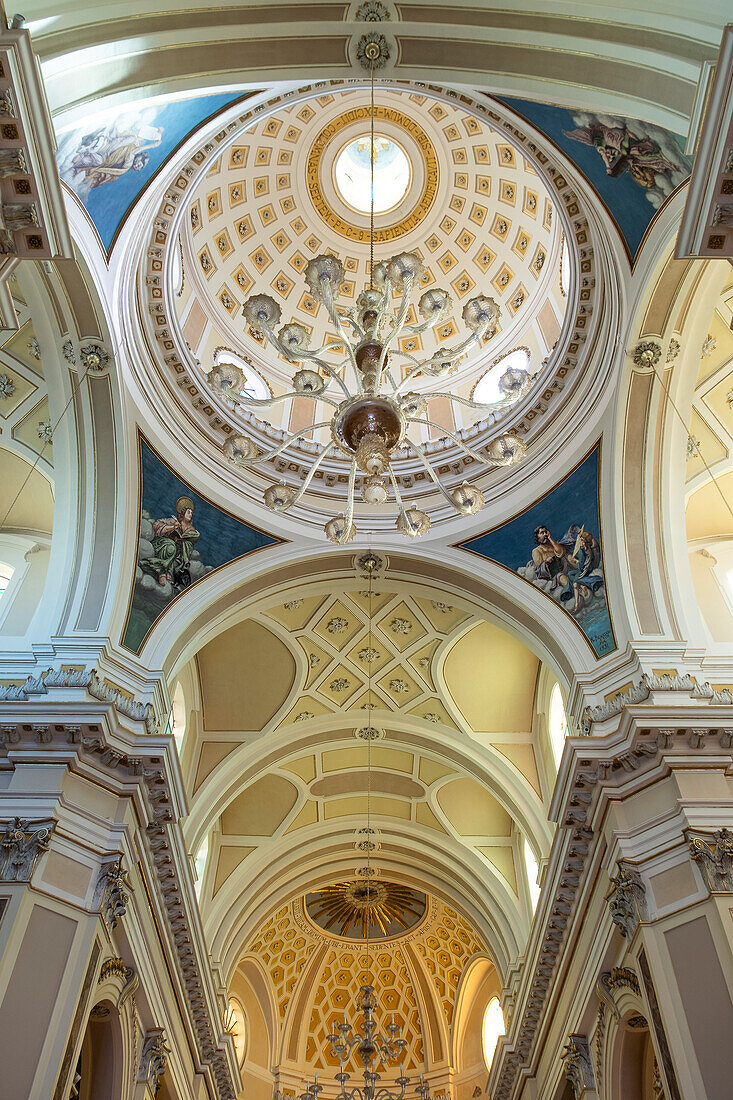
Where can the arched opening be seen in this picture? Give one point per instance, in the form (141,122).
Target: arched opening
(636,1074)
(99,1068)
(26,523)
(557,723)
(492,1030)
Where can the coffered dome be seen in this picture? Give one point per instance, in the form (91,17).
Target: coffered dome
(296,184)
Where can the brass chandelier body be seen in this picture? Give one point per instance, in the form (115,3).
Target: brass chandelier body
(375,407)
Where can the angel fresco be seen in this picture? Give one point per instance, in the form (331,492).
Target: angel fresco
(107,153)
(649,157)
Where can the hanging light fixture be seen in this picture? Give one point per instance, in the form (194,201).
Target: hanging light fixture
(374,410)
(371,1045)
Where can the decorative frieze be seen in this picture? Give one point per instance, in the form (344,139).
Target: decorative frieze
(94,685)
(21,844)
(578,1066)
(626,899)
(714,857)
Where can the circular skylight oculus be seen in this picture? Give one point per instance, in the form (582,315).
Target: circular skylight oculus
(392,174)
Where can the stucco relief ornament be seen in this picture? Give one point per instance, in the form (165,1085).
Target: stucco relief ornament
(94,358)
(154,1057)
(693,446)
(401,626)
(21,844)
(34,348)
(709,345)
(7,387)
(340,684)
(113,885)
(626,900)
(578,1066)
(372,11)
(673,350)
(304,716)
(647,354)
(45,431)
(714,857)
(372,51)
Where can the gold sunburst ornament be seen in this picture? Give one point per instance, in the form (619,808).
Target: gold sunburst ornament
(355,908)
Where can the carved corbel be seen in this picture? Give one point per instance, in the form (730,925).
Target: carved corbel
(579,1068)
(21,844)
(112,891)
(626,900)
(714,856)
(154,1057)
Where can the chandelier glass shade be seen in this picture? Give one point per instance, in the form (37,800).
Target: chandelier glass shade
(369,388)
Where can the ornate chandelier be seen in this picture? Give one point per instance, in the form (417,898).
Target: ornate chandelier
(373,410)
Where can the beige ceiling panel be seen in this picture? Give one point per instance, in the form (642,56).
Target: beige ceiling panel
(306,707)
(443,616)
(212,754)
(260,809)
(352,782)
(705,516)
(378,599)
(18,346)
(357,757)
(425,816)
(22,388)
(304,767)
(432,710)
(370,655)
(717,399)
(502,857)
(523,758)
(316,657)
(246,674)
(491,677)
(422,662)
(357,807)
(306,815)
(400,687)
(294,613)
(402,627)
(33,508)
(230,856)
(430,770)
(339,685)
(723,350)
(338,625)
(709,450)
(472,811)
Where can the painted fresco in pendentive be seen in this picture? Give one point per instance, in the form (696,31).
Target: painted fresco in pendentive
(634,166)
(182,537)
(108,161)
(556,545)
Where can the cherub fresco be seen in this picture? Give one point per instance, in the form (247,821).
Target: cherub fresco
(107,153)
(650,156)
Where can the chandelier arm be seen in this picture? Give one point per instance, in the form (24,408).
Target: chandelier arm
(456,439)
(267,455)
(343,540)
(432,474)
(407,355)
(398,495)
(312,357)
(266,402)
(488,406)
(309,477)
(449,356)
(335,317)
(399,319)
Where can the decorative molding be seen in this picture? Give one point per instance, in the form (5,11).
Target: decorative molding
(611,980)
(646,354)
(373,51)
(594,770)
(626,899)
(578,1066)
(714,856)
(89,740)
(154,1057)
(641,691)
(95,686)
(21,844)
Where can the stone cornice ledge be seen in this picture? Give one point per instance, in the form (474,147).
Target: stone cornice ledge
(90,738)
(648,739)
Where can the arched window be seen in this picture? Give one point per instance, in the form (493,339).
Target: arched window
(236,1025)
(493,1029)
(557,722)
(177,719)
(254,384)
(6,572)
(200,866)
(532,874)
(177,268)
(564,268)
(487,388)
